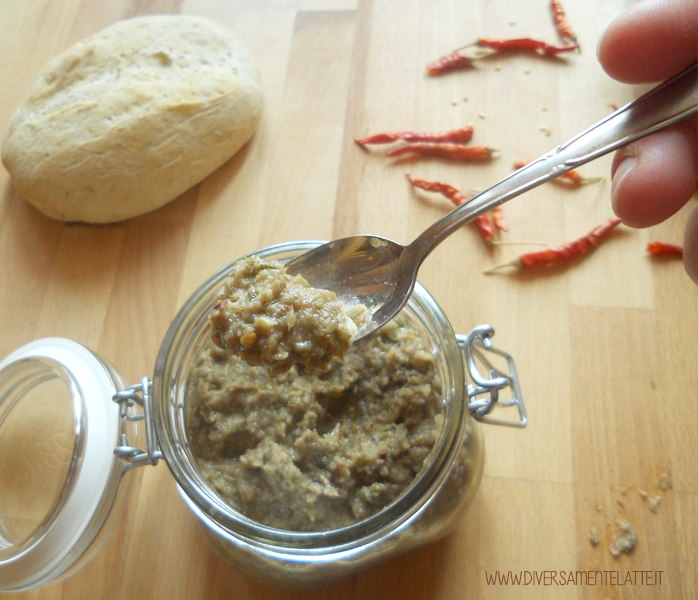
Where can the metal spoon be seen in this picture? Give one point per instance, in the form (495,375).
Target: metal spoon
(380,274)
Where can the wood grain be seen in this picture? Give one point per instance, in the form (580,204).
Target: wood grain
(605,347)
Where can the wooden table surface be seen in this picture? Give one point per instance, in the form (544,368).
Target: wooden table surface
(605,347)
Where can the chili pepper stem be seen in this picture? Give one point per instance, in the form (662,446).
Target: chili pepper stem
(467,46)
(516,263)
(561,180)
(508,243)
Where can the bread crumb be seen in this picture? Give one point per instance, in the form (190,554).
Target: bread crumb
(497,67)
(527,70)
(643,493)
(544,107)
(594,537)
(654,503)
(664,482)
(481,115)
(624,539)
(454,102)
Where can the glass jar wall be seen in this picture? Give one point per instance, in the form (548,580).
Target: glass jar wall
(426,510)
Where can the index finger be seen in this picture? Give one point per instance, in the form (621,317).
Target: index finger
(650,41)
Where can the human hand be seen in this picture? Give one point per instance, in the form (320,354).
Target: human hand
(655,176)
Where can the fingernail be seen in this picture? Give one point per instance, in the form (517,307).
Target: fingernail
(620,173)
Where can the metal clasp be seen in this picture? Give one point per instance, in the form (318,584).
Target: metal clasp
(476,345)
(138,394)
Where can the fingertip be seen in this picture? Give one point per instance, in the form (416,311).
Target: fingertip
(654,177)
(650,41)
(623,163)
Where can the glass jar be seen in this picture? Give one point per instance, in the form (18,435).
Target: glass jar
(425,511)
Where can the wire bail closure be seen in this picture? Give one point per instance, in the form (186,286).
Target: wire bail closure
(127,399)
(476,344)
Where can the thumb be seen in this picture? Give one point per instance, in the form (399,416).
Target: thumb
(690,246)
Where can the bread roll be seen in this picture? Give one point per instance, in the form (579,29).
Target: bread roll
(130,118)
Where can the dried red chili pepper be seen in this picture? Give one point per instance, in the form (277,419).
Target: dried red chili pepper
(524,45)
(485,227)
(570,177)
(450,62)
(560,20)
(441,188)
(483,222)
(575,178)
(456,136)
(498,219)
(563,253)
(444,150)
(663,249)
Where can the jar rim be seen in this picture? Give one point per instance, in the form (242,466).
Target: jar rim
(169,392)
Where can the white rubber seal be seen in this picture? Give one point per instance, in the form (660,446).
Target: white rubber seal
(58,548)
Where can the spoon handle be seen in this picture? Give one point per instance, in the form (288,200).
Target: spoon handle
(668,103)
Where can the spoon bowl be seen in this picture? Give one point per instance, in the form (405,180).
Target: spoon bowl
(380,274)
(361,269)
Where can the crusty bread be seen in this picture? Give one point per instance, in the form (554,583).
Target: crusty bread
(130,118)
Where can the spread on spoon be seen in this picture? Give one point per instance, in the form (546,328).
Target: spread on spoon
(270,318)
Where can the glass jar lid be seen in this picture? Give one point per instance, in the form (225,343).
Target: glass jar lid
(58,430)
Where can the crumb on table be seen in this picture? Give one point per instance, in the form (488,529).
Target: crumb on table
(655,502)
(624,540)
(594,537)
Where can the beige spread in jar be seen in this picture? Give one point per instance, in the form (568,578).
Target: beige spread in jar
(318,450)
(268,317)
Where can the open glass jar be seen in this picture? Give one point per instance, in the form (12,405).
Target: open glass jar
(144,423)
